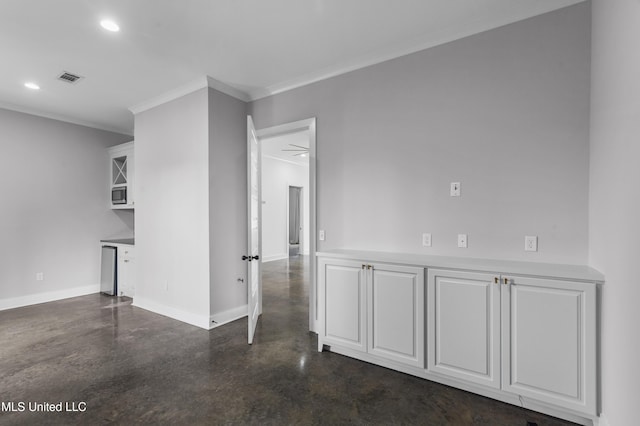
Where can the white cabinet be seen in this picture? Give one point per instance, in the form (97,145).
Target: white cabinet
(532,337)
(372,308)
(464,326)
(549,341)
(523,333)
(126,270)
(122,173)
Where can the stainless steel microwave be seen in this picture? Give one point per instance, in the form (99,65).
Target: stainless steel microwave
(119,195)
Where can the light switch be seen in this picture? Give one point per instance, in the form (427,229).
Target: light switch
(426,240)
(455,189)
(321,235)
(462,240)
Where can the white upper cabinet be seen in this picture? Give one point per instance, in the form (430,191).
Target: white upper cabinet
(122,168)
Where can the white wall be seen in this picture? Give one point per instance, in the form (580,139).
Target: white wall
(227,205)
(505,112)
(277,176)
(615,199)
(172,208)
(55,208)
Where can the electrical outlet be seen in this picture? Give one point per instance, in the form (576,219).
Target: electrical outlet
(455,189)
(321,235)
(462,240)
(40,276)
(531,243)
(426,240)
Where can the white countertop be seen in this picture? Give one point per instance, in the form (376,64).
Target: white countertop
(534,269)
(127,241)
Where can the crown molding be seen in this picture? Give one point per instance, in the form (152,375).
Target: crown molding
(169,96)
(64,118)
(191,87)
(228,90)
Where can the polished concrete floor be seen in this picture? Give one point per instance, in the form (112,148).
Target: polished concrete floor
(130,366)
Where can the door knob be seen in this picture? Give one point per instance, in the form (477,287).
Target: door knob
(246,258)
(256,257)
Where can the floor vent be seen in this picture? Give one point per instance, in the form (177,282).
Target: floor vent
(68,77)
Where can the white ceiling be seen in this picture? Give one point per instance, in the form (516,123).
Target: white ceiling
(275,147)
(258,47)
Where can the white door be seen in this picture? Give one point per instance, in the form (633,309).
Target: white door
(254,284)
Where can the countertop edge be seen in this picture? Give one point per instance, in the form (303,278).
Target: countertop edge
(535,269)
(126,241)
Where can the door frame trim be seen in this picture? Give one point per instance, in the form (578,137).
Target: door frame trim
(294,127)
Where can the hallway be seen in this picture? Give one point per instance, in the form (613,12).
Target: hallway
(133,366)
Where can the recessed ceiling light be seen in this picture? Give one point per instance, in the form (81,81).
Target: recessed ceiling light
(31,85)
(109,25)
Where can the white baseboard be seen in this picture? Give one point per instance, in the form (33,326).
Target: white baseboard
(601,421)
(171,312)
(49,296)
(229,315)
(274,257)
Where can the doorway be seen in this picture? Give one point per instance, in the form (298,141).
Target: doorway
(295,215)
(288,161)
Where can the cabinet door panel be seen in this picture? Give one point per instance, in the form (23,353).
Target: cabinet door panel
(344,296)
(464,326)
(547,342)
(396,313)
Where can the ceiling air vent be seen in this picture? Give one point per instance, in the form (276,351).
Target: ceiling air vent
(68,77)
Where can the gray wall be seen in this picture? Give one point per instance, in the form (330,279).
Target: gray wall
(55,204)
(227,200)
(172,208)
(615,199)
(505,112)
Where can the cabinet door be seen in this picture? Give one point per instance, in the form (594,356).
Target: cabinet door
(126,271)
(464,326)
(395,308)
(342,303)
(549,332)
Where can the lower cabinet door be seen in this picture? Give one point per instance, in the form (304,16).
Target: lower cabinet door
(549,341)
(343,303)
(126,271)
(464,326)
(396,313)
